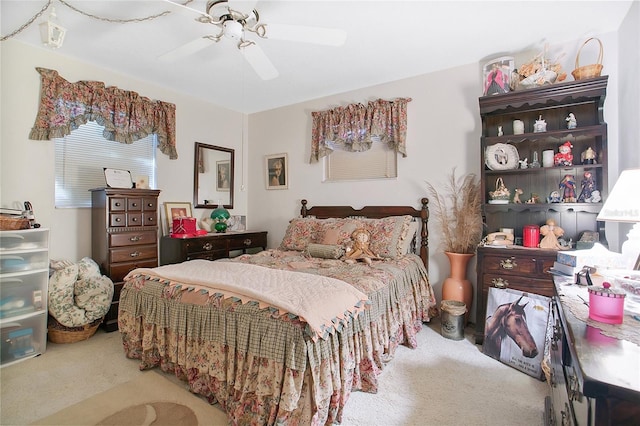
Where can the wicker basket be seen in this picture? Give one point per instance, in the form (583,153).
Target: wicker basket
(588,71)
(58,333)
(12,223)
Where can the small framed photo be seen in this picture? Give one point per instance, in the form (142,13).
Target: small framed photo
(223,169)
(175,211)
(497,75)
(277,171)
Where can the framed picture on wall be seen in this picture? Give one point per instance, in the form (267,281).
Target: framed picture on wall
(277,171)
(174,211)
(223,169)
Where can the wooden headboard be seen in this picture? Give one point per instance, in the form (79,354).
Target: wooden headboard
(378,212)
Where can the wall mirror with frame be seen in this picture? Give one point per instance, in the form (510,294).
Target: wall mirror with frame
(213,176)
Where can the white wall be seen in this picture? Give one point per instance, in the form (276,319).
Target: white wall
(443,132)
(27,170)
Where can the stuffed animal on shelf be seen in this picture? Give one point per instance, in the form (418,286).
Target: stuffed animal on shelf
(359,250)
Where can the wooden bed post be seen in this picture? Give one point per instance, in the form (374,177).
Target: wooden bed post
(424,232)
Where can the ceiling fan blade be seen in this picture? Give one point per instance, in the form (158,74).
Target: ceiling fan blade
(186,49)
(189,12)
(259,62)
(244,6)
(305,34)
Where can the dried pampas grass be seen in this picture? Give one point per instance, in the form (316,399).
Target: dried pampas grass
(458,212)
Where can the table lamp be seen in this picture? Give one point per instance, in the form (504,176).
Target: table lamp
(623,205)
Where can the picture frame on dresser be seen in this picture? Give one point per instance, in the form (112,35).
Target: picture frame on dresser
(174,210)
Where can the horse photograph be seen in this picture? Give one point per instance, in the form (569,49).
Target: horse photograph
(515,329)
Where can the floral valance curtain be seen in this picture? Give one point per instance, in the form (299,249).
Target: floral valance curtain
(125,115)
(353,127)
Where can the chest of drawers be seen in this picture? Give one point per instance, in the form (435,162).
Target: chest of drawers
(210,246)
(516,268)
(124,236)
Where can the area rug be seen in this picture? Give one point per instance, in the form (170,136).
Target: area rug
(150,399)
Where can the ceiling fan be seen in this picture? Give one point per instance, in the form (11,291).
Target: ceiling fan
(236,25)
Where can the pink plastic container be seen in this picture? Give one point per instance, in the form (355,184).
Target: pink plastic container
(606,304)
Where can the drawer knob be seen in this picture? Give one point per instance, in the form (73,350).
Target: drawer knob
(134,204)
(247,242)
(118,219)
(500,283)
(135,238)
(150,205)
(135,254)
(117,204)
(134,219)
(508,264)
(207,246)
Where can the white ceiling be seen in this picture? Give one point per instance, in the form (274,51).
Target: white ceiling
(386,41)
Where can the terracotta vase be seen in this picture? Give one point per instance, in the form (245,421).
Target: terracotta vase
(457,286)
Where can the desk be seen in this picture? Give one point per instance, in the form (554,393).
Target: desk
(595,378)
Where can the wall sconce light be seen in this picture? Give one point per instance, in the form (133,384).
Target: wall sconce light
(51,33)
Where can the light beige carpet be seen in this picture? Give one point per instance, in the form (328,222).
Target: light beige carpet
(150,399)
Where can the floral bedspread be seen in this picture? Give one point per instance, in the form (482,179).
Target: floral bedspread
(259,363)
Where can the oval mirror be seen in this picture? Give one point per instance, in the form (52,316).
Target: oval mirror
(213,176)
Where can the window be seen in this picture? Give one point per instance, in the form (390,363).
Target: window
(379,162)
(82,156)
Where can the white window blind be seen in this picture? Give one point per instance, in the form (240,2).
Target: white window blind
(379,162)
(82,156)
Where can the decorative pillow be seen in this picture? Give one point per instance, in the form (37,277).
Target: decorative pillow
(325,251)
(337,231)
(412,231)
(300,232)
(388,235)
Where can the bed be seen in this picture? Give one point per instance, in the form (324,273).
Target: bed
(285,335)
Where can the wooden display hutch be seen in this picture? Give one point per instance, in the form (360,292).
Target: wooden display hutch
(521,268)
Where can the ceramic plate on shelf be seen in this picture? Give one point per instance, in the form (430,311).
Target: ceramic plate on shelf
(498,201)
(501,156)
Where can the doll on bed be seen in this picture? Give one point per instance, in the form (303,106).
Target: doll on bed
(359,249)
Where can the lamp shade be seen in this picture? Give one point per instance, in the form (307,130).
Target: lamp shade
(623,203)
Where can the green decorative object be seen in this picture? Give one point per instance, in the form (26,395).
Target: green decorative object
(220,215)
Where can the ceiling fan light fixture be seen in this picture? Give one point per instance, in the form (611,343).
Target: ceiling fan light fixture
(233,29)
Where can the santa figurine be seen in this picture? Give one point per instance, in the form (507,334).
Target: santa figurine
(564,156)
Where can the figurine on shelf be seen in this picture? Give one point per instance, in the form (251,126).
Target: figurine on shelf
(535,163)
(588,185)
(540,125)
(524,163)
(564,157)
(554,197)
(516,197)
(572,123)
(500,132)
(588,156)
(551,232)
(535,199)
(568,188)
